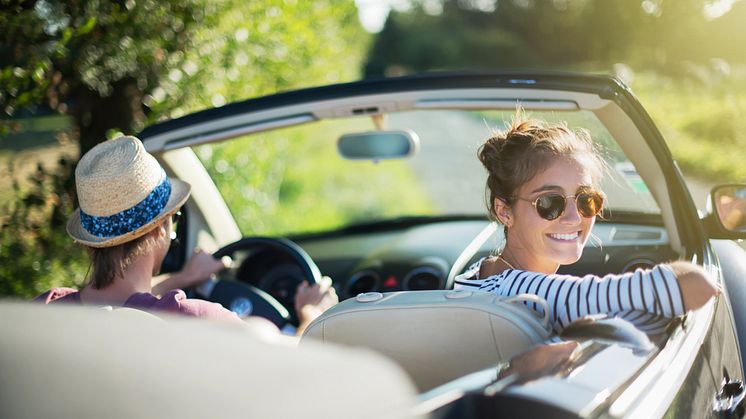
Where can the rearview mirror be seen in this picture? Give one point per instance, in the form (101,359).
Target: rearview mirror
(728,205)
(378,145)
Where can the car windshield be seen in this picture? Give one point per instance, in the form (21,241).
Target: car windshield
(292,180)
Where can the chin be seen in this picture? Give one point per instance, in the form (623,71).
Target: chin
(568,258)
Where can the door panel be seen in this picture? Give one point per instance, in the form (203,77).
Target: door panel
(694,399)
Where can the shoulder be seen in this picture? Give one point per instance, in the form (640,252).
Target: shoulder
(176,301)
(469,279)
(472,278)
(59,295)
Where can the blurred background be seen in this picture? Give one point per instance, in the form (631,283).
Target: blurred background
(74,73)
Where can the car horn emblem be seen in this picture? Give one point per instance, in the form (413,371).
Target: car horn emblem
(242,306)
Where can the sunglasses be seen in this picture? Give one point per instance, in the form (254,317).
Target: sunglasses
(175,217)
(550,206)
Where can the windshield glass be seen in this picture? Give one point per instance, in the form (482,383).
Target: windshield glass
(292,180)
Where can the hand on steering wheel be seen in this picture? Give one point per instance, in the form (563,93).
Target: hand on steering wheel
(312,300)
(200,267)
(246,299)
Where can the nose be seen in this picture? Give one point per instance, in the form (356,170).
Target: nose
(571,215)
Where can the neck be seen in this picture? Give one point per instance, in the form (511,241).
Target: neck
(136,278)
(525,260)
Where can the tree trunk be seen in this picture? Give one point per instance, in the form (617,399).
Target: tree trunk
(95,115)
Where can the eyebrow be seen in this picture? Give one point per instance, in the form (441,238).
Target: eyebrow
(547,188)
(559,188)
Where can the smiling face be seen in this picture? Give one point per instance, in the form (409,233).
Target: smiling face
(541,245)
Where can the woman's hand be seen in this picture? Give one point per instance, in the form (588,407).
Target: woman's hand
(696,285)
(540,360)
(311,301)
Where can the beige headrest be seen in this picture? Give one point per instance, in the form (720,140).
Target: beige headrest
(436,336)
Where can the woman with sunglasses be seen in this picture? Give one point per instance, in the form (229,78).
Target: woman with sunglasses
(543,188)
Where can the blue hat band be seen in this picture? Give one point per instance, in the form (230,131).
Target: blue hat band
(130,219)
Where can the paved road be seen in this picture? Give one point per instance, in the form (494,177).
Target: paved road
(453,177)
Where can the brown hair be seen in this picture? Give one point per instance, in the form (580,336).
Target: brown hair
(514,156)
(108,263)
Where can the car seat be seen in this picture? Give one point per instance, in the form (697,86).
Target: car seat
(436,336)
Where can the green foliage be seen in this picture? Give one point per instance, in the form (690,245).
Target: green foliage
(293,181)
(115,66)
(74,56)
(248,49)
(35,252)
(703,123)
(559,34)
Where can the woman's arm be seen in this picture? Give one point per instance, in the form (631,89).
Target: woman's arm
(696,285)
(644,297)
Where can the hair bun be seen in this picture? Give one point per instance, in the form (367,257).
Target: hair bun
(513,156)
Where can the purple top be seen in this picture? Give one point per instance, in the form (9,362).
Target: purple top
(174,301)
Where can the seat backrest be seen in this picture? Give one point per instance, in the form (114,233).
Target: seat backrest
(436,336)
(66,361)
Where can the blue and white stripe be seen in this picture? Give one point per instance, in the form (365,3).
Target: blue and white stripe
(649,298)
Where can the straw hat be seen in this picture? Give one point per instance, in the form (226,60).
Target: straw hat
(123,194)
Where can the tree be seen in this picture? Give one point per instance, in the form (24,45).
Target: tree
(117,65)
(581,34)
(93,60)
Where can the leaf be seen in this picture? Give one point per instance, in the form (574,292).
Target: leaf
(87,27)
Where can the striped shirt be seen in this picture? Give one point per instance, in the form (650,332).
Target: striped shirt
(648,298)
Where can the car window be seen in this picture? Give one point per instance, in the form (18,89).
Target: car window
(292,180)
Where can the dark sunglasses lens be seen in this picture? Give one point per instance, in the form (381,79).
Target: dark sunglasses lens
(550,206)
(175,217)
(590,204)
(174,221)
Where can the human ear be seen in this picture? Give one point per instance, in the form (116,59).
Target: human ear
(162,229)
(503,212)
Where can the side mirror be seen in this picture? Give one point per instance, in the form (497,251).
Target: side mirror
(378,145)
(727,206)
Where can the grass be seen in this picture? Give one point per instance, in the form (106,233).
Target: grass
(32,142)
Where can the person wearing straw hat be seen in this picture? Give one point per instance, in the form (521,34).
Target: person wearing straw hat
(125,221)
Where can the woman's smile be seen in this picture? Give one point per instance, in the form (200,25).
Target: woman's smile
(542,245)
(566,237)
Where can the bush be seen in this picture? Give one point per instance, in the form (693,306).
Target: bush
(35,251)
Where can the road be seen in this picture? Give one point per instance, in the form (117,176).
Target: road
(455,179)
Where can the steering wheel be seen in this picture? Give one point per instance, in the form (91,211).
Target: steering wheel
(246,299)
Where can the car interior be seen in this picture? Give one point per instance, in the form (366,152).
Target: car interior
(393,213)
(393,250)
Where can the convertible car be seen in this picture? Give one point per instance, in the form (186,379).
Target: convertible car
(376,184)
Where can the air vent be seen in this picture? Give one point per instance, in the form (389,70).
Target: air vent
(361,282)
(424,278)
(363,111)
(636,235)
(638,263)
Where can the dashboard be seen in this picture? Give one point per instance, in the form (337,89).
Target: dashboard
(423,255)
